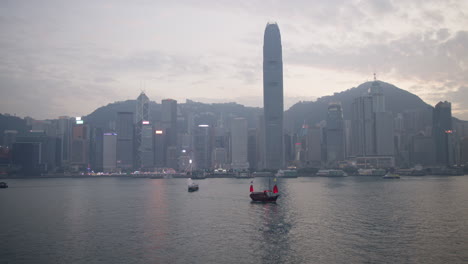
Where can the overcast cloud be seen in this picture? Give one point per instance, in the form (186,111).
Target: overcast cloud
(70,57)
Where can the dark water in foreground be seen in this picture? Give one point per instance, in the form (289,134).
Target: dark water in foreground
(316,220)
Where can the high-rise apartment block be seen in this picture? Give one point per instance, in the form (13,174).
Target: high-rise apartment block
(239,139)
(125,140)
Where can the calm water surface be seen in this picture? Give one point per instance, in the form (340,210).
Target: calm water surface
(316,220)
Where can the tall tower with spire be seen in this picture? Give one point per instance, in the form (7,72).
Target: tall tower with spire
(273,97)
(378,99)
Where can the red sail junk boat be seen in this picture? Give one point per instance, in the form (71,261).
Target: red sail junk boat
(266,195)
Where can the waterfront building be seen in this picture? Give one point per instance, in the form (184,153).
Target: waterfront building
(313,150)
(159,148)
(422,150)
(202,146)
(334,135)
(239,143)
(96,149)
(169,120)
(443,133)
(384,130)
(169,125)
(362,127)
(9,138)
(372,130)
(261,143)
(146,148)
(141,118)
(125,140)
(220,147)
(252,155)
(27,157)
(35,152)
(273,97)
(464,151)
(347,133)
(110,152)
(80,147)
(64,131)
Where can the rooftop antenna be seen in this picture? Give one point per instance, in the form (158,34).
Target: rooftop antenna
(142,87)
(375,78)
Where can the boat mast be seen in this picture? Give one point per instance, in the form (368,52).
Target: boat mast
(269,183)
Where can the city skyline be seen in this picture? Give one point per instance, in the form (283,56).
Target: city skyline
(175,50)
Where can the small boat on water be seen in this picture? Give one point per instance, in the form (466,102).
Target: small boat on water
(192,187)
(391,176)
(265,196)
(3,185)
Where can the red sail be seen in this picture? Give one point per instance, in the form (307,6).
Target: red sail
(251,188)
(275,189)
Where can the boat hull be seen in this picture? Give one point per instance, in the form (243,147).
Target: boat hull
(193,188)
(391,176)
(263,197)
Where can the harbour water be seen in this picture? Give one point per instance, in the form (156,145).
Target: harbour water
(316,220)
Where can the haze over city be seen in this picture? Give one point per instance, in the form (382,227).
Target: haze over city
(69,58)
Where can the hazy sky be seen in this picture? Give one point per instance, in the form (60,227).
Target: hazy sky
(70,57)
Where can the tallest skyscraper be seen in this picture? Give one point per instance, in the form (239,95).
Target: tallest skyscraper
(273,97)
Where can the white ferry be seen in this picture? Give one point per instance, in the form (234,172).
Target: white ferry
(331,173)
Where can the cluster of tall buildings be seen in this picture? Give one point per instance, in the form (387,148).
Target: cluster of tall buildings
(376,138)
(132,142)
(181,139)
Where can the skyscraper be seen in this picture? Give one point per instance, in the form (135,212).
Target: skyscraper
(109,152)
(334,137)
(169,124)
(202,146)
(64,132)
(125,140)
(384,142)
(169,120)
(239,138)
(141,118)
(146,146)
(220,146)
(362,127)
(442,132)
(371,125)
(273,97)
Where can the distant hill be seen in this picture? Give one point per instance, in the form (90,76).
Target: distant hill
(203,113)
(396,100)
